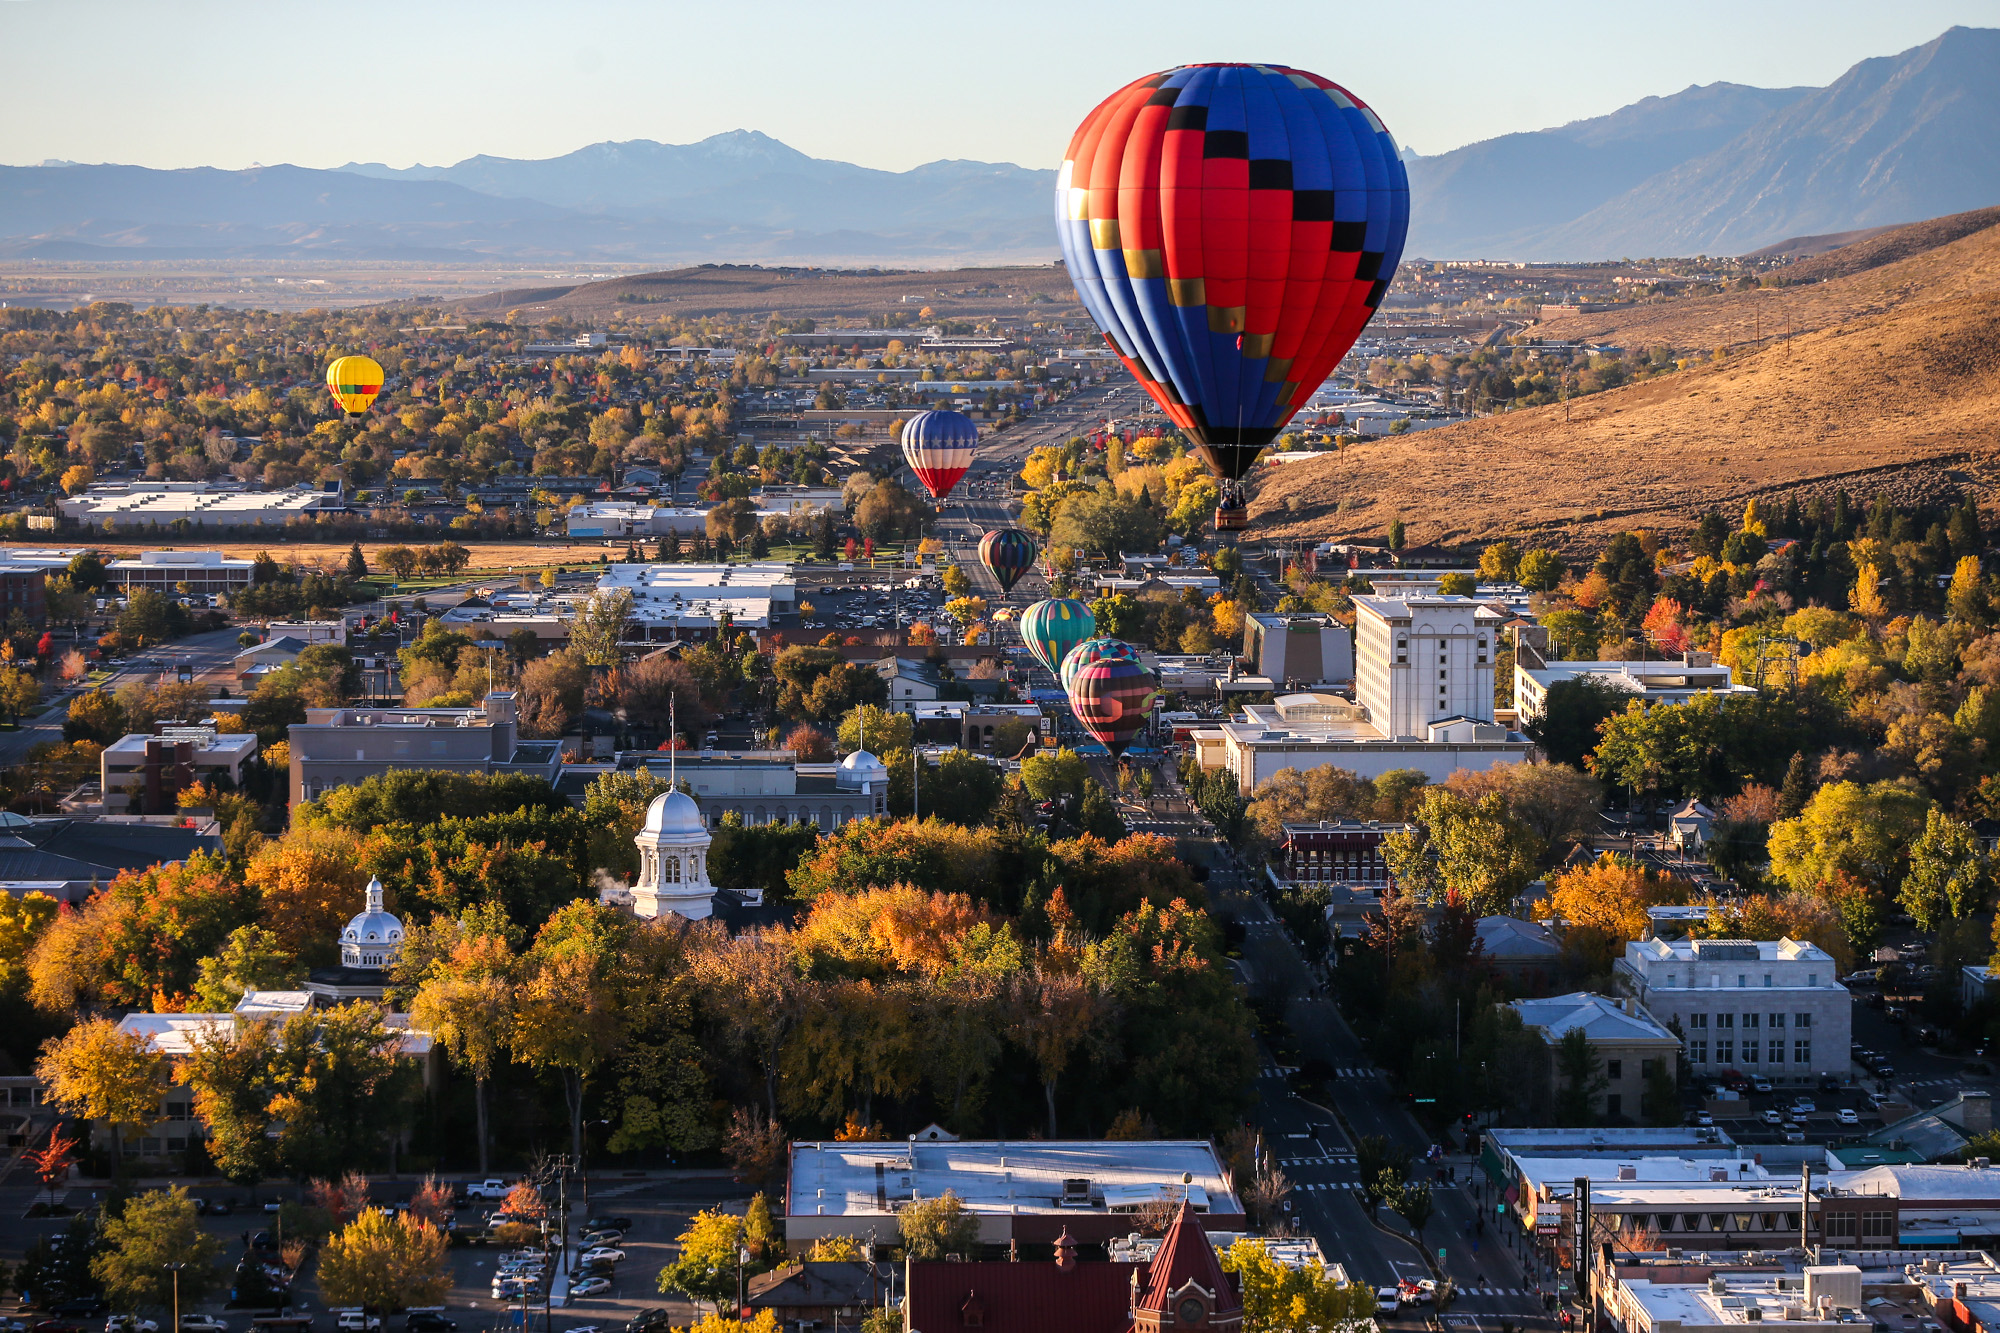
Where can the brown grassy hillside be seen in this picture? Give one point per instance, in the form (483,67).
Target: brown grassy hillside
(1932,261)
(966,293)
(1898,390)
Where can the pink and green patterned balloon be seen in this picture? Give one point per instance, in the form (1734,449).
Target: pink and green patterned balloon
(1053,626)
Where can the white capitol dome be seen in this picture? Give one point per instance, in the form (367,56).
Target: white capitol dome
(373,938)
(672,813)
(860,769)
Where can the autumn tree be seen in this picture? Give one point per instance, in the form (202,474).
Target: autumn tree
(154,1250)
(230,1067)
(1949,878)
(96,1071)
(52,1161)
(935,1227)
(565,1019)
(467,1004)
(707,1265)
(1052,1016)
(385,1261)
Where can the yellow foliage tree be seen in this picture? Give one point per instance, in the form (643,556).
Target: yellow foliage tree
(1611,896)
(384,1261)
(310,882)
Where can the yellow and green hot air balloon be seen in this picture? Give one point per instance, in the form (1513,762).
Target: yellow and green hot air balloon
(354,381)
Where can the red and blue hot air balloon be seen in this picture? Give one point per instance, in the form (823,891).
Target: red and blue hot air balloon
(1007,553)
(1231,228)
(1053,626)
(1093,650)
(1112,698)
(939,448)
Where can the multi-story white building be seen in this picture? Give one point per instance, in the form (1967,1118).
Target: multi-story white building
(1420,660)
(1769,1007)
(1423,699)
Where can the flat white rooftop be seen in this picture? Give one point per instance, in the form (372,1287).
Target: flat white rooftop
(1005,1176)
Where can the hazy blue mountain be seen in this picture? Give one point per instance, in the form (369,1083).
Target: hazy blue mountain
(105,212)
(1487,198)
(1895,139)
(747,178)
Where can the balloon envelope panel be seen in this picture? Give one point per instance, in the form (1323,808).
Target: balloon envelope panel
(354,381)
(1231,229)
(1052,627)
(1094,650)
(1007,553)
(1112,698)
(938,446)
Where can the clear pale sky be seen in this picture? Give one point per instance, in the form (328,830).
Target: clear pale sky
(175,83)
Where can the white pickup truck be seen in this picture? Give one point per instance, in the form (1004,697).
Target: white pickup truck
(495,1189)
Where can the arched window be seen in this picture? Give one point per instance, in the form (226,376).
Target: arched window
(826,816)
(673,875)
(760,815)
(846,814)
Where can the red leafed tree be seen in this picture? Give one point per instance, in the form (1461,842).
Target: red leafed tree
(1666,624)
(51,1162)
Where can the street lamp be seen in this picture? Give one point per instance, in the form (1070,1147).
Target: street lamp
(742,1258)
(175,1269)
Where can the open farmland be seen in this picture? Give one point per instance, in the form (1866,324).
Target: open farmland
(1031,292)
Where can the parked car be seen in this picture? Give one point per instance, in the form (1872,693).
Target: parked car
(129,1323)
(83,1307)
(1760,1085)
(608,1236)
(602,1252)
(1802,1107)
(202,1323)
(428,1321)
(1701,1118)
(590,1286)
(609,1224)
(1846,1115)
(1770,1118)
(357,1321)
(648,1320)
(493,1187)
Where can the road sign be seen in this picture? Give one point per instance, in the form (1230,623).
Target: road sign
(1440,1254)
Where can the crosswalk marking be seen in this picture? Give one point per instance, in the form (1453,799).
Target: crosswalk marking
(1277,1071)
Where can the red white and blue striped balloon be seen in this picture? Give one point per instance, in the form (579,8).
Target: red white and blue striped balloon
(938,446)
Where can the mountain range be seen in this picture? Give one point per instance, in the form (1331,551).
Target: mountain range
(1718,169)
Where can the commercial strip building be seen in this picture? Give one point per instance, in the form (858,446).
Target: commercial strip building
(204,573)
(1769,1007)
(147,504)
(1020,1190)
(674,601)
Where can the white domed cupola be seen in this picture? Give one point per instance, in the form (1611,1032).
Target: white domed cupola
(861,771)
(673,860)
(373,939)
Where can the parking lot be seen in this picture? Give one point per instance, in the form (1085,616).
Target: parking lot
(658,1209)
(879,600)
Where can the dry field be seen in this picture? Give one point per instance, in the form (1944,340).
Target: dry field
(1895,388)
(965,293)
